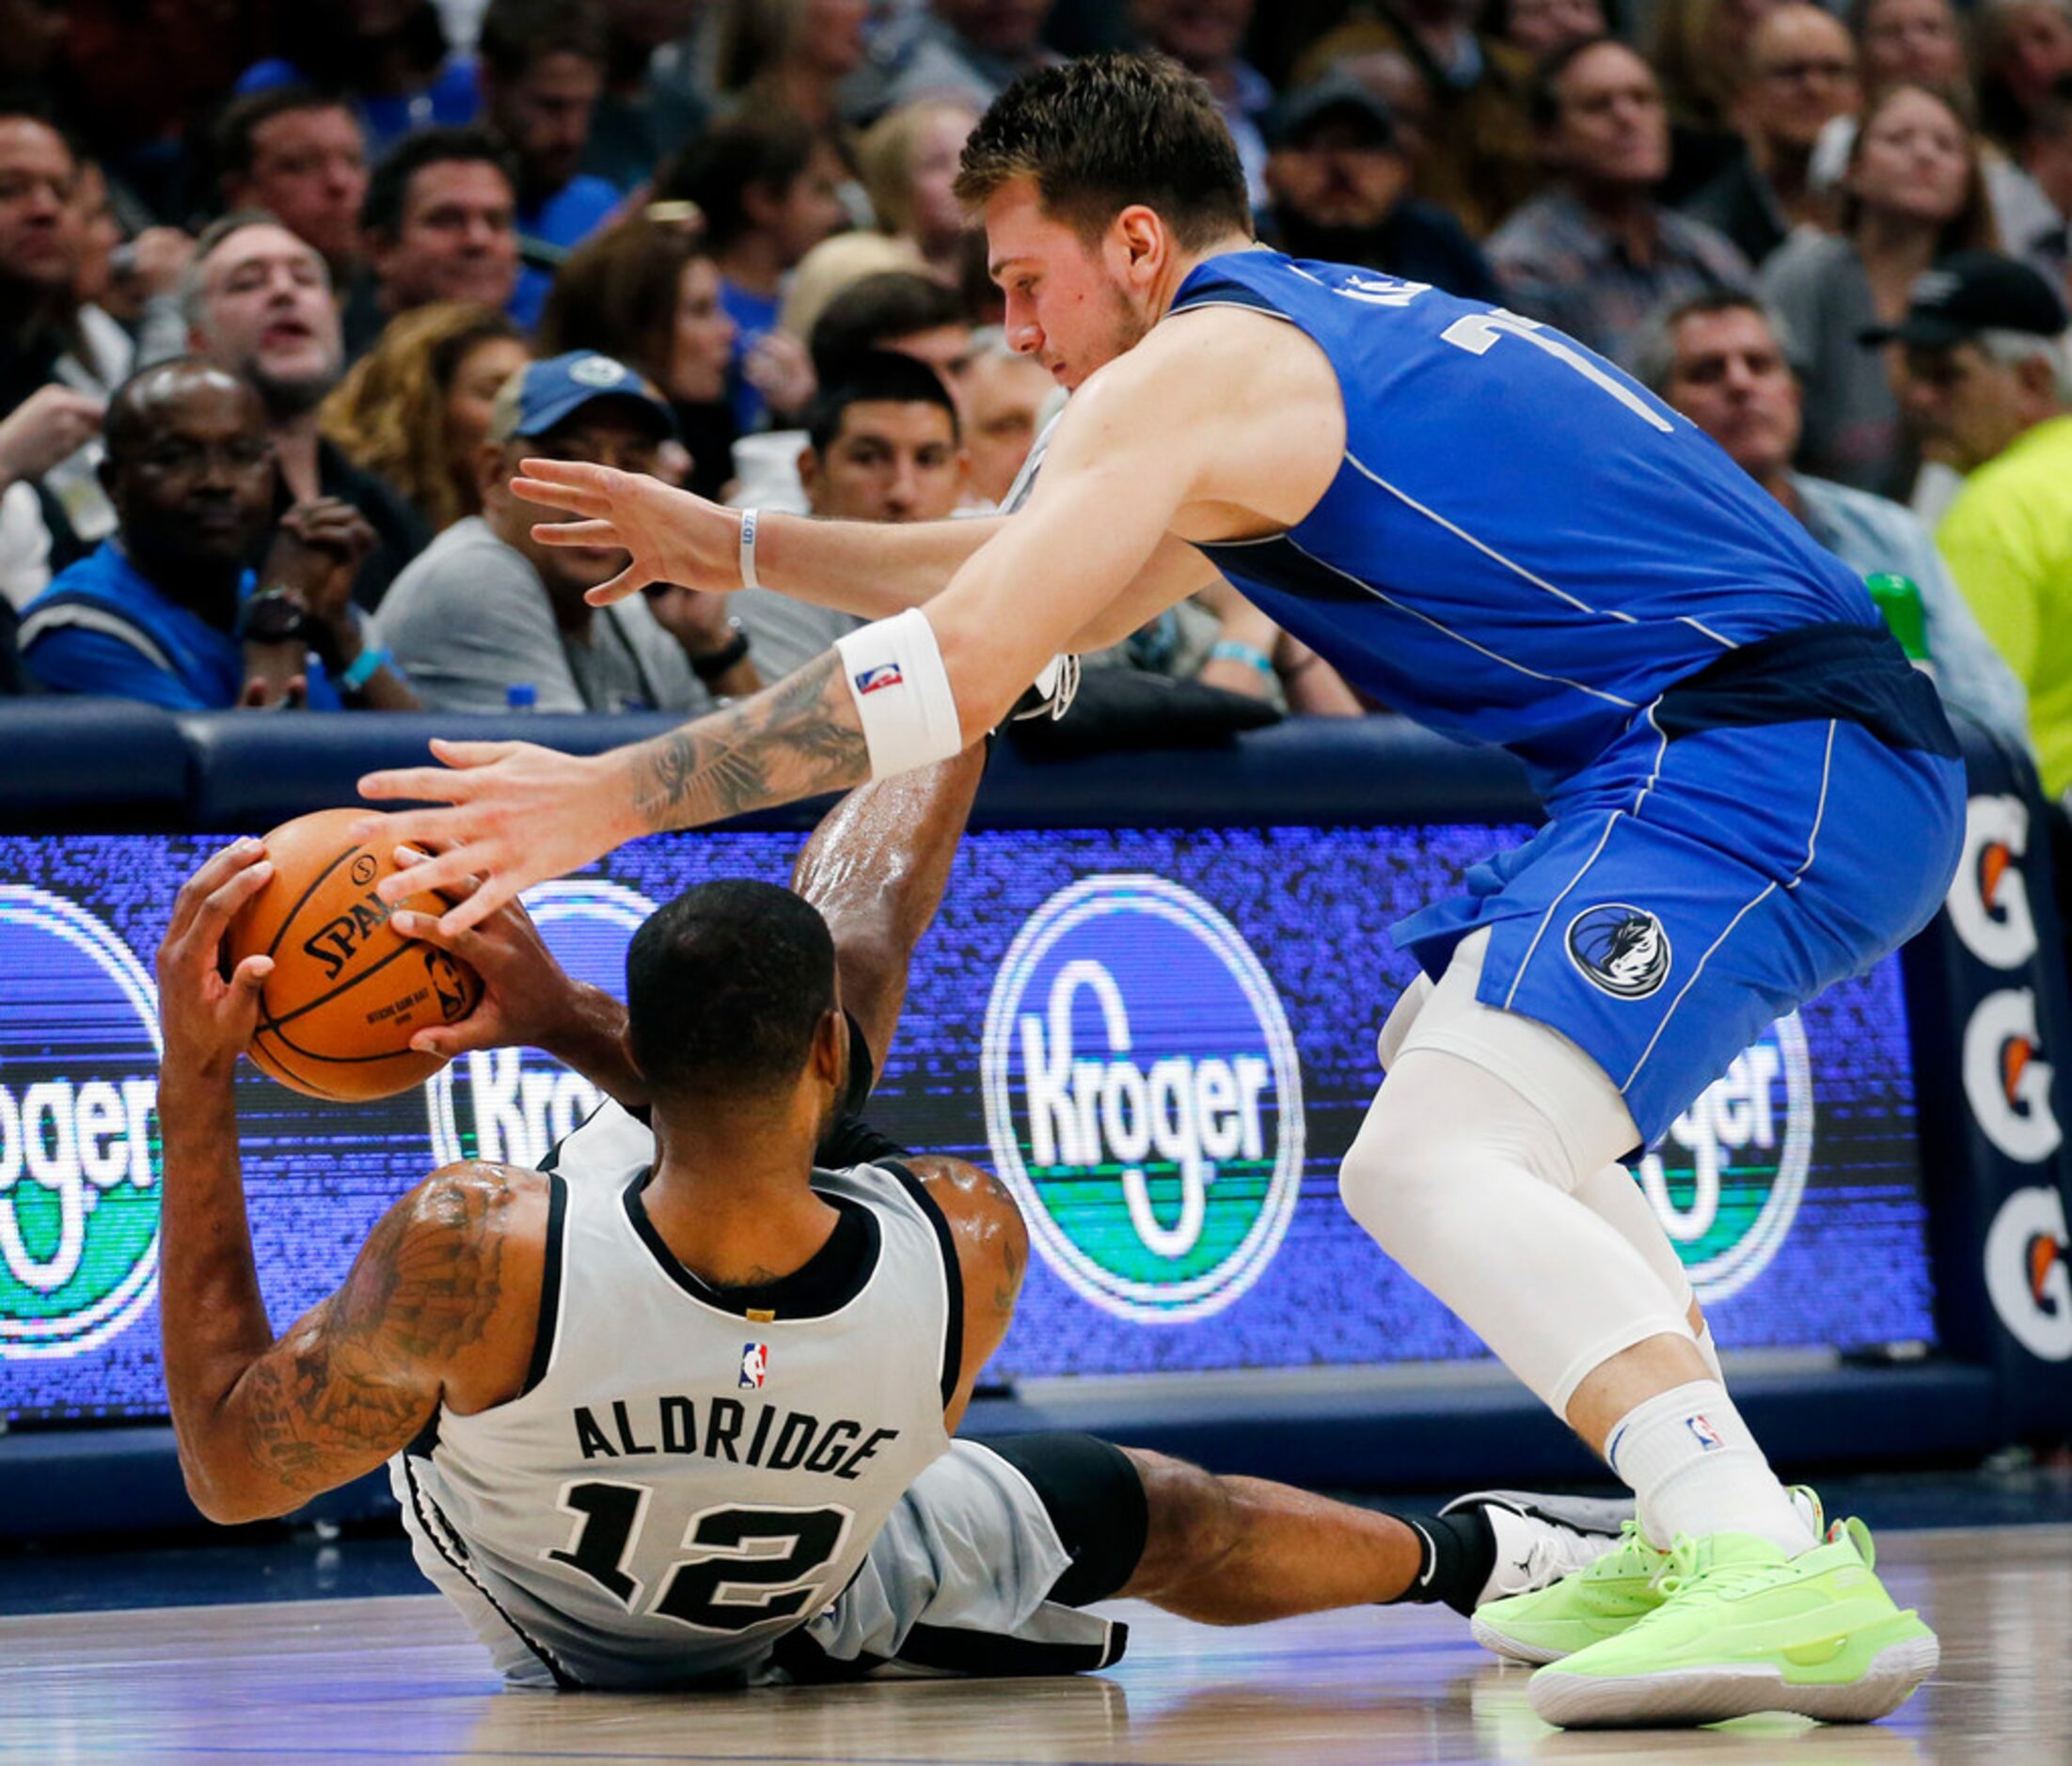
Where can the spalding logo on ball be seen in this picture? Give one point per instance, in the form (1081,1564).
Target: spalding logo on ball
(346,993)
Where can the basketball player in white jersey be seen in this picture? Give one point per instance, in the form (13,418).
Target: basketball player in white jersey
(677,1408)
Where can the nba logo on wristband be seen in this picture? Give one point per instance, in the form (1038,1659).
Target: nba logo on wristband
(874,680)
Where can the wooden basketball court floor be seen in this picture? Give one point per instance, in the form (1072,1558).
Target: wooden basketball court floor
(397,1678)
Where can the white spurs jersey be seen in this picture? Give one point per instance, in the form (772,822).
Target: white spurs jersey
(687,1475)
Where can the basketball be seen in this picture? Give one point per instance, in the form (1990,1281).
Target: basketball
(346,993)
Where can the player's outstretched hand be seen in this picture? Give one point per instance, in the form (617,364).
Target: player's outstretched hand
(528,998)
(518,815)
(207,1019)
(673,536)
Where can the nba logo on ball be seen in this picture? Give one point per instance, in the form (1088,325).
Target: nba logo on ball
(1726,1179)
(79,1141)
(511,1105)
(1144,1097)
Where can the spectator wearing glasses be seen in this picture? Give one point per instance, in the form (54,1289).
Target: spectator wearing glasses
(1801,74)
(299,155)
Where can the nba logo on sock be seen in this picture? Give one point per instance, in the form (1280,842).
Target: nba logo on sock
(754,1365)
(1708,1437)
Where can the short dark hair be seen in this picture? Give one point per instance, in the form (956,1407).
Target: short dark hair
(875,377)
(238,126)
(725,987)
(517,33)
(874,310)
(765,149)
(389,185)
(1544,97)
(1107,131)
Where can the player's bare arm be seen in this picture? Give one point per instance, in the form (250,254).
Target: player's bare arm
(992,1253)
(1222,425)
(437,1306)
(872,569)
(875,868)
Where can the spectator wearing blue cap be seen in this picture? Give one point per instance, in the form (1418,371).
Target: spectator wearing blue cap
(488,617)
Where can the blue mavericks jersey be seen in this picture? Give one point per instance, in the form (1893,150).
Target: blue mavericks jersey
(1522,546)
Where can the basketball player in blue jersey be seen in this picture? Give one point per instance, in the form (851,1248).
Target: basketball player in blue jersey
(676,1408)
(1751,794)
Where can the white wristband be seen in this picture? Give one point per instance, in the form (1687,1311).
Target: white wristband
(749,579)
(896,676)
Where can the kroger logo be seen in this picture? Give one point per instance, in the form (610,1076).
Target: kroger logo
(79,1144)
(511,1105)
(1727,1178)
(1143,1097)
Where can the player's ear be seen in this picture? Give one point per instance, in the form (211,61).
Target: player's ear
(1142,241)
(830,1047)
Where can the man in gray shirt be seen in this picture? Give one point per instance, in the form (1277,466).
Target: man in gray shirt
(487,618)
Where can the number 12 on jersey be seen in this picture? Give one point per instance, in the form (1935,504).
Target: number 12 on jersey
(749,1565)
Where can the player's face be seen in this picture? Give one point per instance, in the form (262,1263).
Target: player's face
(1069,305)
(1731,379)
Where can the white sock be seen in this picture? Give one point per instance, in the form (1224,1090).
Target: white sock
(1709,1349)
(1696,1469)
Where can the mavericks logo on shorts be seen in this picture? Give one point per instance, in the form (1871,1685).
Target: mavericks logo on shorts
(1621,948)
(80,1151)
(1144,1097)
(509,1105)
(1727,1178)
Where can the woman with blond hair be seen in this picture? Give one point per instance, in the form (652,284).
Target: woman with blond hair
(1913,192)
(907,159)
(415,408)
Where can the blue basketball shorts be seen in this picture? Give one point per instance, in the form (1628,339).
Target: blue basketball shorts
(1687,893)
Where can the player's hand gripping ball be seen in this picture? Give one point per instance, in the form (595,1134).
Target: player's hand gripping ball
(347,993)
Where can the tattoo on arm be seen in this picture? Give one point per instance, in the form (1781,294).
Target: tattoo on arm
(792,740)
(358,1376)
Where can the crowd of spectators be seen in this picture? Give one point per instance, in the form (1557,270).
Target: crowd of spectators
(286,290)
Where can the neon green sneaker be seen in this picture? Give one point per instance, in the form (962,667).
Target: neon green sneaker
(1603,1599)
(1746,1629)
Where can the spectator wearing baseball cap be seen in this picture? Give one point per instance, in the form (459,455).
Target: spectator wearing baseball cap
(487,608)
(1988,387)
(1339,186)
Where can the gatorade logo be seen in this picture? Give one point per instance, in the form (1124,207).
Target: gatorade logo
(509,1106)
(2007,1079)
(80,1154)
(2026,1272)
(1727,1178)
(1144,1097)
(1989,902)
